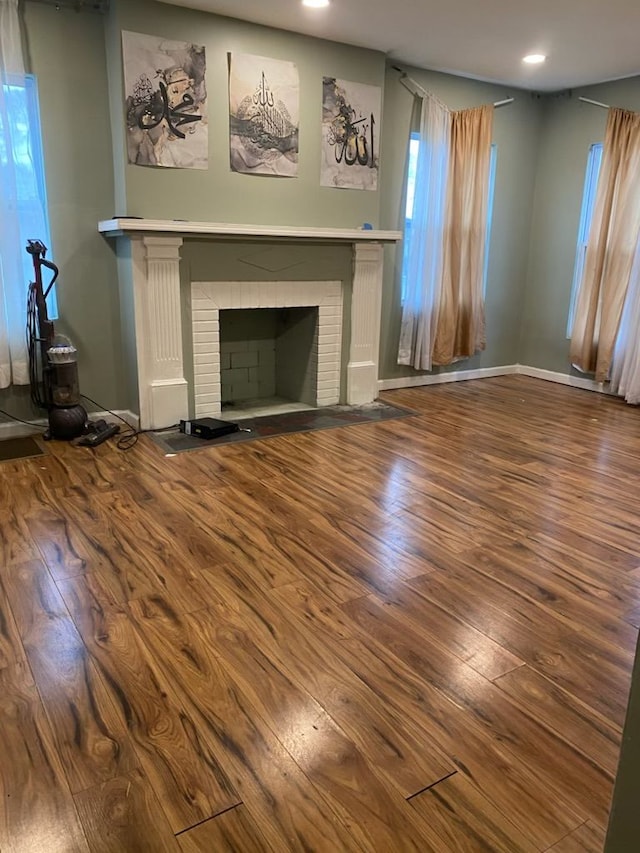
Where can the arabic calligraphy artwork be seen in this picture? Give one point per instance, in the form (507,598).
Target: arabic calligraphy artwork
(350,134)
(166,102)
(264,113)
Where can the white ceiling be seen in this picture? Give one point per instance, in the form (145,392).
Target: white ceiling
(586,41)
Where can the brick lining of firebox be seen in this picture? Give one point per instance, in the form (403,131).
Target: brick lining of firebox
(209,298)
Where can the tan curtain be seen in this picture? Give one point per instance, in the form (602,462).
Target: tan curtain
(460,329)
(612,244)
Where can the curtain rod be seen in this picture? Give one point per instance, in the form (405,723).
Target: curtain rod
(101,6)
(416,89)
(595,103)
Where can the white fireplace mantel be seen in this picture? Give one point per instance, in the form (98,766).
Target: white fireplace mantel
(129,226)
(155,274)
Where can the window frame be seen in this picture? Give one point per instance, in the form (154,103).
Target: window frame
(589,192)
(410,183)
(33,157)
(411,174)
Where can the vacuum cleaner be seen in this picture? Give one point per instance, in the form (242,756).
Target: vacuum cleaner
(53,366)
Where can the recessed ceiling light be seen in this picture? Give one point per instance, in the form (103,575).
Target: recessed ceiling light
(315,4)
(534,58)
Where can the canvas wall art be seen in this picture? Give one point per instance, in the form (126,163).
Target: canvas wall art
(350,134)
(264,111)
(166,102)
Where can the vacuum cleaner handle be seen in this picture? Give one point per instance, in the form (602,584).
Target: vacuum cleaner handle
(54,269)
(38,250)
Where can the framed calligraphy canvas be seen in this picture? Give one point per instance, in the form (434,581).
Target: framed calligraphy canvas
(166,102)
(350,134)
(264,115)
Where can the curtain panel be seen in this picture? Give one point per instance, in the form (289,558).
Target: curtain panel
(625,368)
(443,309)
(13,289)
(460,325)
(613,241)
(426,239)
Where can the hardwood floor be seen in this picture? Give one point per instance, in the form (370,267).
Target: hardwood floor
(409,635)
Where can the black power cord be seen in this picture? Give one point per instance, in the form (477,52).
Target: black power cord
(129,437)
(28,423)
(126,439)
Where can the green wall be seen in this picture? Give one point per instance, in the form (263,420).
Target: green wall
(219,195)
(68,58)
(542,146)
(569,127)
(67,55)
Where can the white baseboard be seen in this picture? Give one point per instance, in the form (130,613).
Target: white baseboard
(130,417)
(439,378)
(484,372)
(562,378)
(15,429)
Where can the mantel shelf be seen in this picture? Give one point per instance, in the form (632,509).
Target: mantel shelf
(125,226)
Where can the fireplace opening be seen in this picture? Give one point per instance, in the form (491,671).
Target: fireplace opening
(298,322)
(268,360)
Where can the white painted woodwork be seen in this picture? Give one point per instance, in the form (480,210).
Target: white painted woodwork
(118,227)
(155,271)
(362,370)
(156,289)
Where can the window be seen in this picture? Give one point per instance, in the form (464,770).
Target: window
(25,150)
(594,160)
(487,239)
(412,168)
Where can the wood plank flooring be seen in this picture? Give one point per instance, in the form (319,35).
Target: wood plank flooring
(409,635)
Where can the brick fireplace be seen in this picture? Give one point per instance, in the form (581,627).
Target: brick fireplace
(149,254)
(208,299)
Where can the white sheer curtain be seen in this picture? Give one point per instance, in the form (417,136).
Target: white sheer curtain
(625,369)
(13,287)
(424,262)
